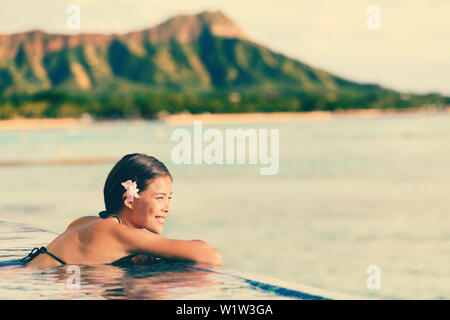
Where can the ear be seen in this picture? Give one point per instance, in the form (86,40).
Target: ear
(127,204)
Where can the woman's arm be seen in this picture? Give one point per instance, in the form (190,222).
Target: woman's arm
(141,241)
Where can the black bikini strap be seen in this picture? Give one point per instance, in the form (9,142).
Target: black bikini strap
(116,218)
(44,250)
(36,251)
(31,255)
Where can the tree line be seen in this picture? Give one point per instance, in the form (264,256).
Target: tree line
(61,104)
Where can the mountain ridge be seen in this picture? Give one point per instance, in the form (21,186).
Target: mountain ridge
(183,29)
(205,53)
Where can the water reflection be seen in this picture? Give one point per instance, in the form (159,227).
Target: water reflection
(162,280)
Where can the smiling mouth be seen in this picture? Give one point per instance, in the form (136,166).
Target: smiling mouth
(160,219)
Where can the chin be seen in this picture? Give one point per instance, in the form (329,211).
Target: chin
(157,230)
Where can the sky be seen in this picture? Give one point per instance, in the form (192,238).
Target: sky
(409,52)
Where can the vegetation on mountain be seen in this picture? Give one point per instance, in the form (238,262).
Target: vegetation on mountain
(199,63)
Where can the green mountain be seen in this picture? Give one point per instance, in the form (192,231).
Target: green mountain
(199,63)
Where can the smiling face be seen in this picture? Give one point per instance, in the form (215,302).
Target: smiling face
(150,210)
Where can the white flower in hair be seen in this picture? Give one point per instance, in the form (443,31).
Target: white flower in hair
(132,190)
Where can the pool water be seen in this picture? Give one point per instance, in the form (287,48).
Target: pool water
(158,280)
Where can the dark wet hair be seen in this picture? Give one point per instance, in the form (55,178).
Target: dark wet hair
(137,167)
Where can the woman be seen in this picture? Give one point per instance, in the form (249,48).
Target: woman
(137,194)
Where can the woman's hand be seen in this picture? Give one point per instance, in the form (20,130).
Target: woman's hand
(215,255)
(143,259)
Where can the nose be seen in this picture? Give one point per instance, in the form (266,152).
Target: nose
(166,208)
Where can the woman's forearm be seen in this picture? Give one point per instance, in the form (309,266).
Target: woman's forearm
(140,241)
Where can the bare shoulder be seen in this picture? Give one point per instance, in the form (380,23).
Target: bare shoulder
(133,238)
(94,228)
(82,221)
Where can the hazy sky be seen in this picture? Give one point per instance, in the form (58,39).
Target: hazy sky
(410,52)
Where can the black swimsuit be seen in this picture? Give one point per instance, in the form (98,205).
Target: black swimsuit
(37,251)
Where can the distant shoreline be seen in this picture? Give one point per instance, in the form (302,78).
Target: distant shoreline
(257,117)
(212,118)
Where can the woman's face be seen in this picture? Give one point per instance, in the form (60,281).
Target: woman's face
(151,209)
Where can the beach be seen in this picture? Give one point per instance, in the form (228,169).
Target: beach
(38,124)
(220,118)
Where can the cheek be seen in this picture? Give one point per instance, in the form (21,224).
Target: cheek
(146,208)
